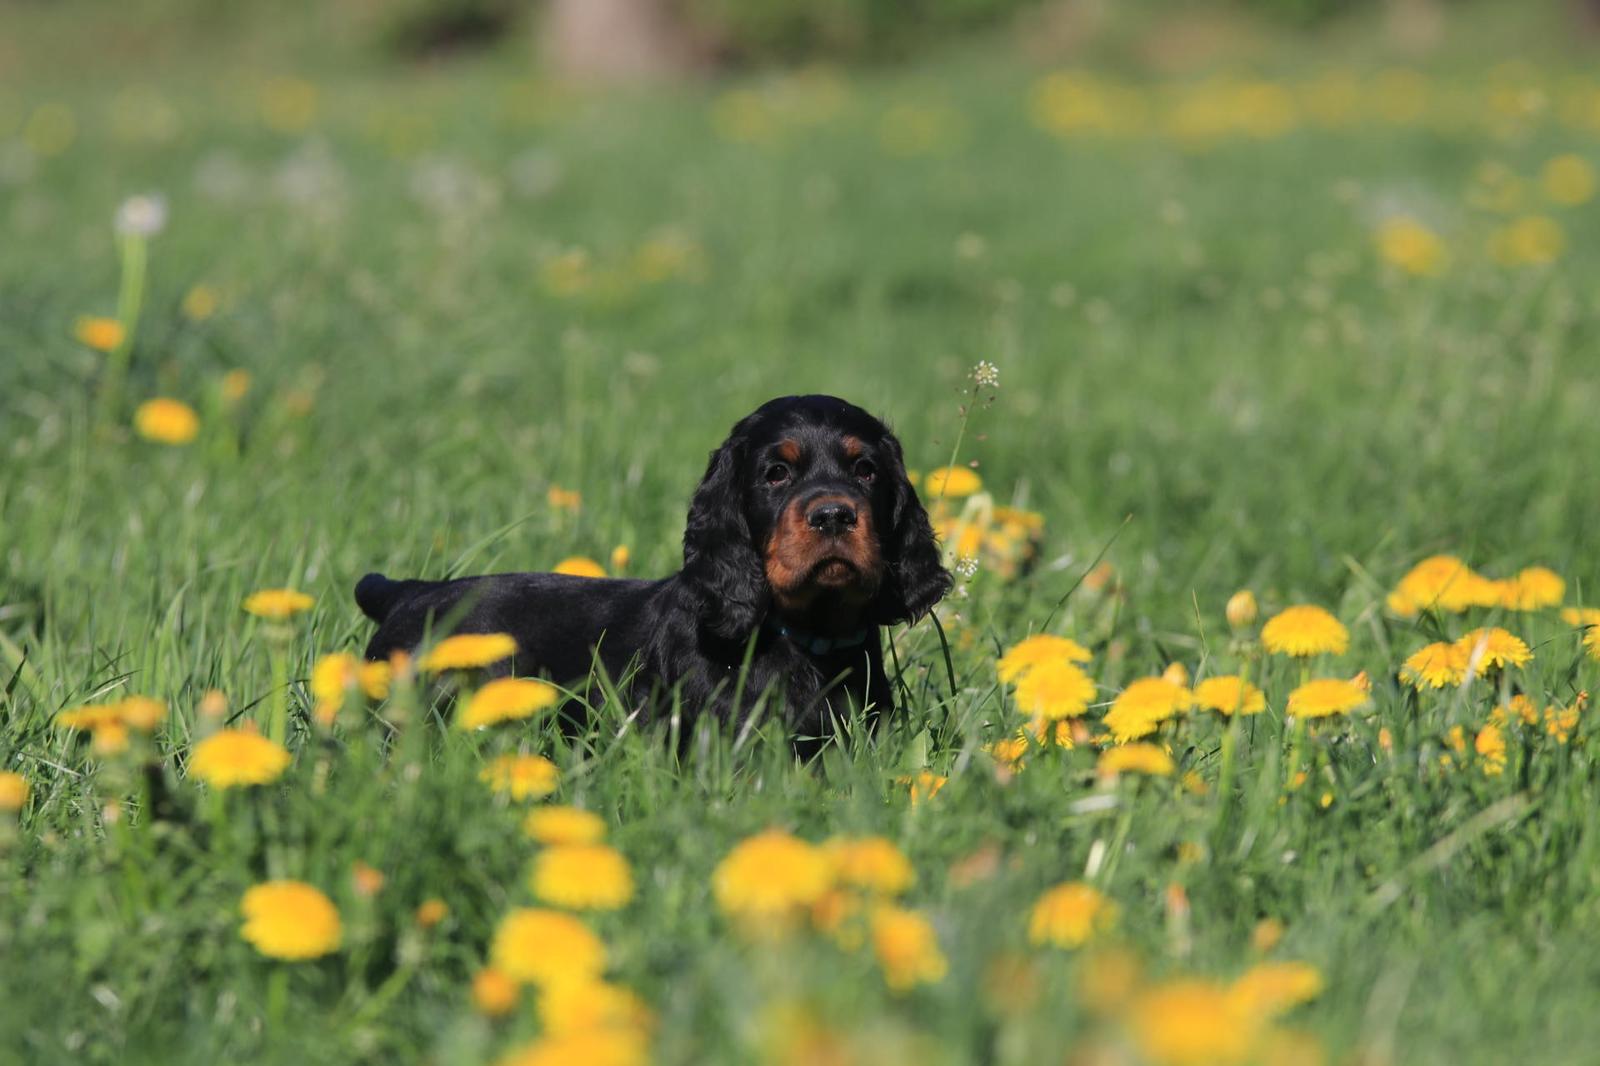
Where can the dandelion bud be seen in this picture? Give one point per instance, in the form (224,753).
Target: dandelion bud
(213,706)
(430,912)
(1241,609)
(1176,673)
(368,879)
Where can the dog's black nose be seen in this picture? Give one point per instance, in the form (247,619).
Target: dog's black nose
(832,518)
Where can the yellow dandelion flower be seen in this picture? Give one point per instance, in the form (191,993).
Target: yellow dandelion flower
(1192,1023)
(1519,709)
(1411,246)
(1591,640)
(332,677)
(1532,240)
(1009,752)
(834,915)
(544,947)
(506,699)
(1491,647)
(1266,934)
(1438,665)
(1326,696)
(579,566)
(166,421)
(237,757)
(430,912)
(1533,589)
(1305,630)
(1269,989)
(1144,705)
(493,993)
(1241,610)
(770,875)
(467,651)
(1561,722)
(200,303)
(564,825)
(582,877)
(521,776)
(1581,617)
(1135,759)
(1568,180)
(101,334)
(873,864)
(1053,690)
(14,791)
(1060,733)
(588,1047)
(277,604)
(564,499)
(588,1006)
(1490,744)
(1070,915)
(951,482)
(368,879)
(620,558)
(1037,650)
(90,717)
(142,714)
(290,920)
(110,739)
(236,385)
(1441,582)
(923,786)
(906,947)
(1229,694)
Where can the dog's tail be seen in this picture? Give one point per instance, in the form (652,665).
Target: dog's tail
(376,595)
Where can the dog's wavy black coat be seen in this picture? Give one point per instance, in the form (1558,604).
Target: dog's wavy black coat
(804,537)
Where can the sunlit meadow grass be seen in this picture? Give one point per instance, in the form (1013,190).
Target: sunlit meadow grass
(1248,337)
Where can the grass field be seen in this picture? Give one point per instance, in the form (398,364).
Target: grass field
(1289,334)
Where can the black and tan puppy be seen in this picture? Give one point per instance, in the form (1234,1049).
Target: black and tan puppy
(804,537)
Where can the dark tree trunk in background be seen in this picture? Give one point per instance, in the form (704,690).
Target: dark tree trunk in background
(616,40)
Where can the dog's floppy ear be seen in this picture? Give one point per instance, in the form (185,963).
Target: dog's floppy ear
(914,578)
(720,565)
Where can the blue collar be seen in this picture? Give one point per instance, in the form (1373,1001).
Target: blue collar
(815,645)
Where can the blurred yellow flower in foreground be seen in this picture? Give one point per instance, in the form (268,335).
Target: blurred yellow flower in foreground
(564,825)
(506,699)
(1070,914)
(582,877)
(1411,246)
(1268,989)
(466,651)
(493,993)
(770,875)
(1441,582)
(13,791)
(544,947)
(907,948)
(521,776)
(140,713)
(579,566)
(1305,630)
(1568,180)
(873,864)
(237,757)
(585,1006)
(1534,588)
(951,482)
(166,421)
(1533,240)
(923,786)
(277,604)
(100,333)
(1193,1023)
(1135,759)
(290,920)
(590,1047)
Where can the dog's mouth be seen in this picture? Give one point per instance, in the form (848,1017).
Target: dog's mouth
(833,572)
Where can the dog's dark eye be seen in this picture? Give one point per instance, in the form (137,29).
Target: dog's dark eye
(777,474)
(865,470)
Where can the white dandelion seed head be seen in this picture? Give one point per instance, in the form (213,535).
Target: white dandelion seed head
(142,216)
(986,375)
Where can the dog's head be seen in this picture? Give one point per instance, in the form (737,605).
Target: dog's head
(806,510)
